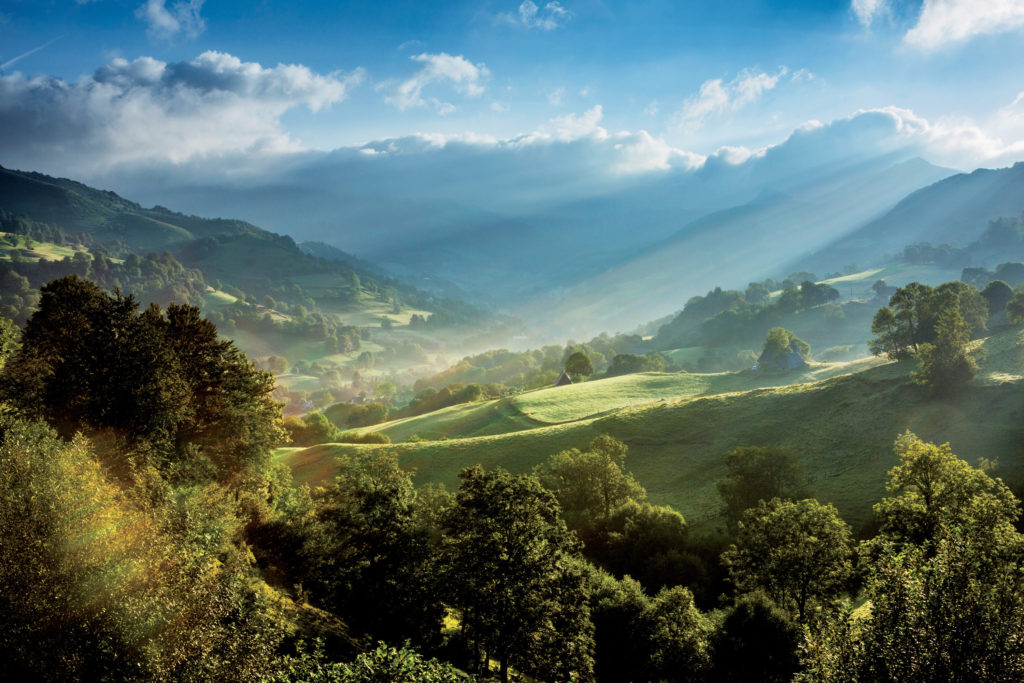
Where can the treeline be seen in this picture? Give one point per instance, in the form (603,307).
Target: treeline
(1000,234)
(522,370)
(154,277)
(740,318)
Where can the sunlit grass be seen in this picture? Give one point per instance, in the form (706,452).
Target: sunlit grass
(840,419)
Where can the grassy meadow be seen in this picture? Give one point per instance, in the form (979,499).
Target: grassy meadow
(840,419)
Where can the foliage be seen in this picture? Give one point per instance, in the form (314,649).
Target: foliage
(627,363)
(10,335)
(165,382)
(578,364)
(756,641)
(757,473)
(946,365)
(932,490)
(1015,308)
(997,294)
(912,317)
(96,585)
(310,430)
(352,415)
(590,484)
(797,552)
(505,566)
(365,555)
(944,581)
(640,638)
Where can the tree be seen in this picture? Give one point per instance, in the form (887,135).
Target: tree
(778,344)
(911,319)
(163,382)
(944,581)
(797,552)
(946,365)
(890,339)
(9,336)
(932,490)
(1015,308)
(757,473)
(365,554)
(505,565)
(590,484)
(678,638)
(97,585)
(757,293)
(997,294)
(578,364)
(756,641)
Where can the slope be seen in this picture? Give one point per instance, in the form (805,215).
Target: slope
(729,247)
(840,427)
(955,210)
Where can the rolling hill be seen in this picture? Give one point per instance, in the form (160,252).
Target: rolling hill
(839,419)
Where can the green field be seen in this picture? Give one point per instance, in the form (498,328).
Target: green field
(839,419)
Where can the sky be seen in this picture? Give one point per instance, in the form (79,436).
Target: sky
(94,88)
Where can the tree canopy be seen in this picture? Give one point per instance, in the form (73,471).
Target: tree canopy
(164,382)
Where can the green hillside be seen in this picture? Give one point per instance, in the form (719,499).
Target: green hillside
(104,215)
(840,420)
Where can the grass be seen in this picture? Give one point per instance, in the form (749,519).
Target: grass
(839,419)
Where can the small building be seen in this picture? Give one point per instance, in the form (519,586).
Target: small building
(563,379)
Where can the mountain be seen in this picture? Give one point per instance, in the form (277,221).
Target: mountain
(227,253)
(107,217)
(955,210)
(731,247)
(513,221)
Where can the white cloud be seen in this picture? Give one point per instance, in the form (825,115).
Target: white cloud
(464,76)
(529,15)
(955,21)
(717,97)
(499,106)
(149,110)
(652,108)
(163,23)
(958,142)
(556,97)
(868,10)
(571,127)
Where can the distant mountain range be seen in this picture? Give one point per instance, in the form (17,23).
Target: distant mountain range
(955,211)
(572,269)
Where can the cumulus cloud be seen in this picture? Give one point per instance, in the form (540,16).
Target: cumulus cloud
(868,10)
(149,110)
(467,78)
(165,23)
(944,22)
(957,142)
(529,15)
(717,97)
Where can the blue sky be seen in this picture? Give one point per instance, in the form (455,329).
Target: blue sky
(691,78)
